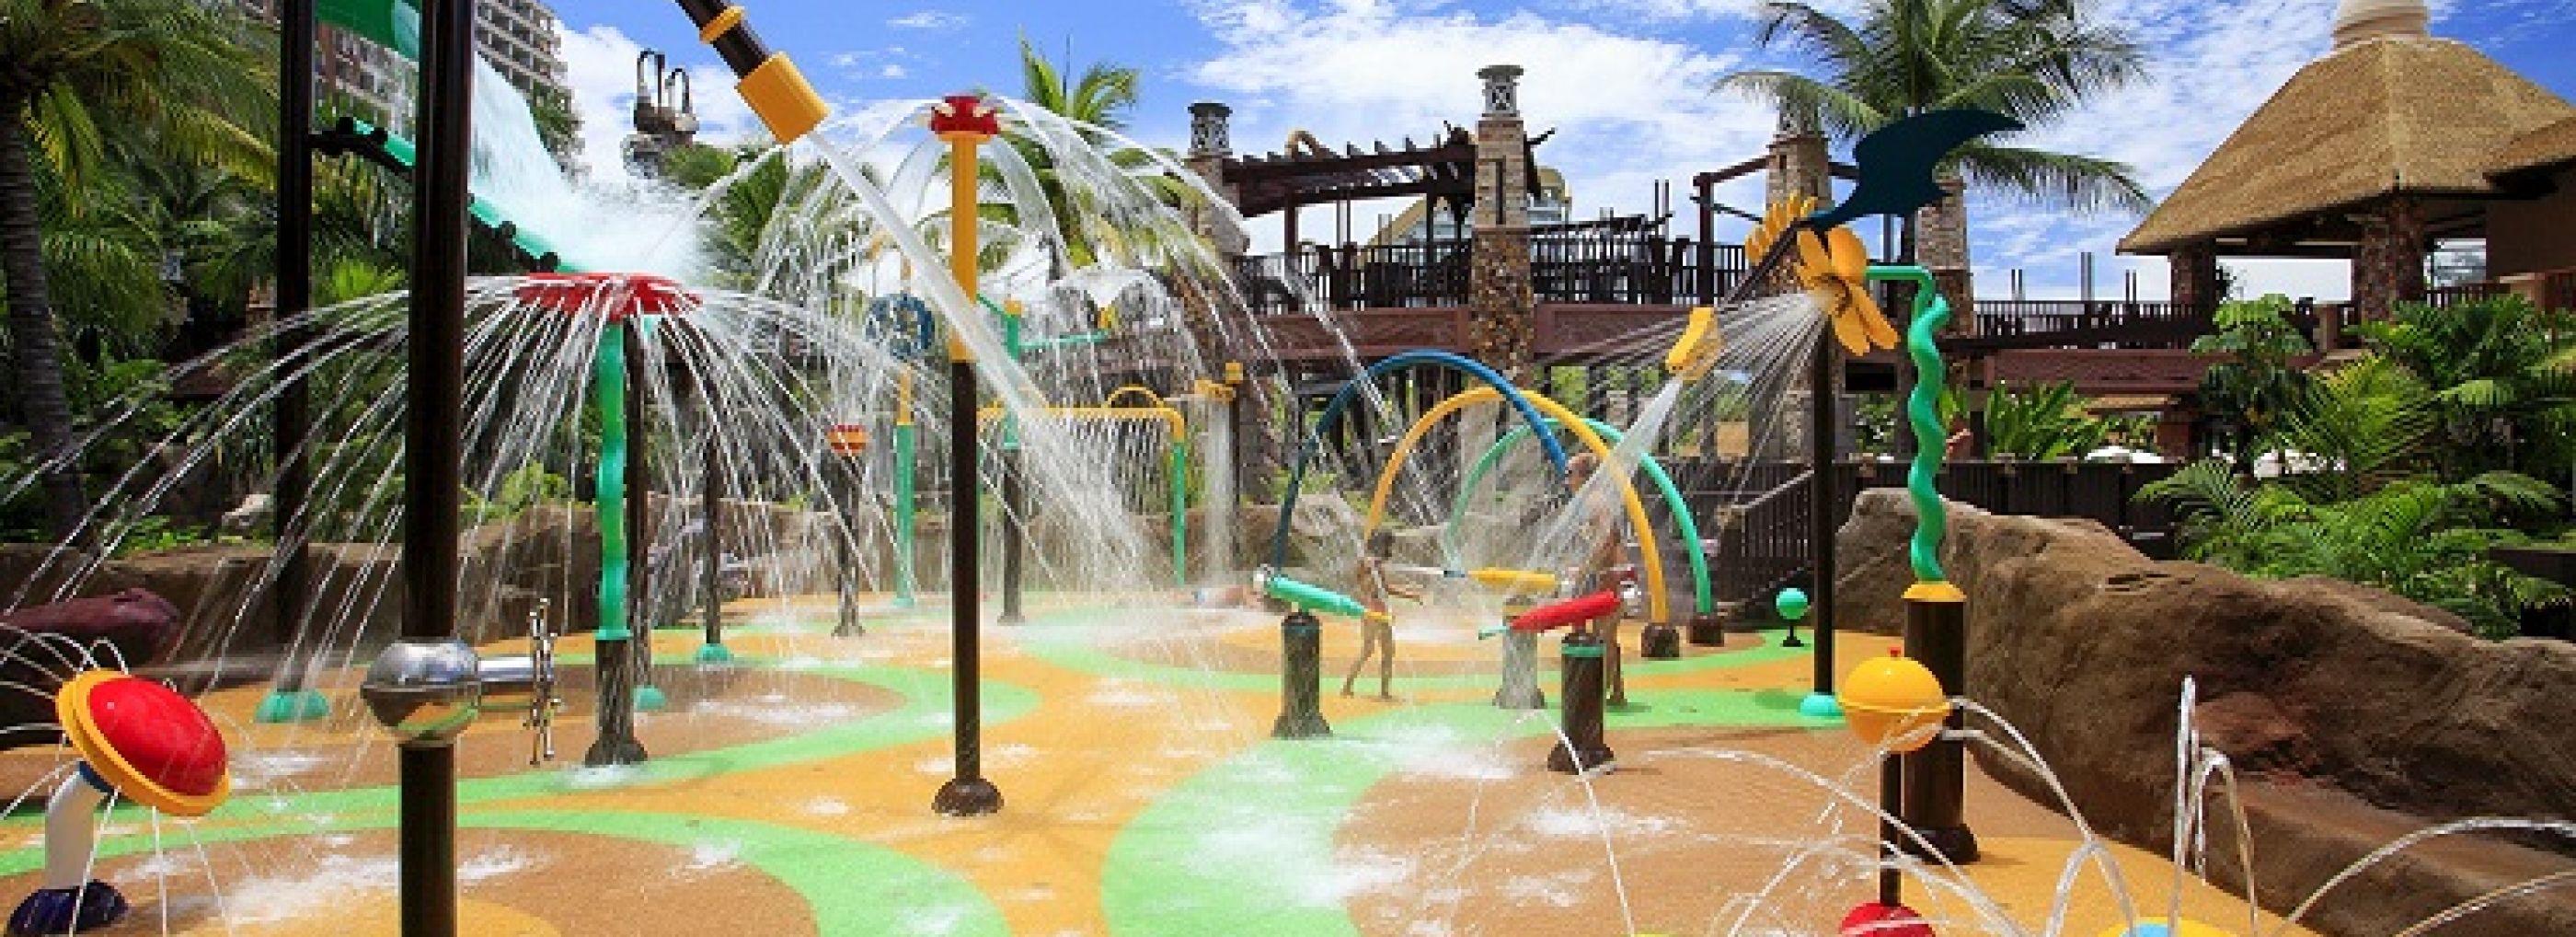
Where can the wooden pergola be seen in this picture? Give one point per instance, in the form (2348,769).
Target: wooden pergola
(1310,173)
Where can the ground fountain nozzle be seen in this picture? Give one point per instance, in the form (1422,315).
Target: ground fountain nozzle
(137,739)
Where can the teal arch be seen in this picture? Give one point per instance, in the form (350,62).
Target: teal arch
(1702,598)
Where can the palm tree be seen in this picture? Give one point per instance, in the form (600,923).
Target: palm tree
(1102,97)
(74,67)
(2031,60)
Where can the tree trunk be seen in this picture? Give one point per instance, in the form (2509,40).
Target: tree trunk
(35,356)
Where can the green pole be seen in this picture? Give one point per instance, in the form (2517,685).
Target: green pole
(608,375)
(616,744)
(1178,469)
(1703,599)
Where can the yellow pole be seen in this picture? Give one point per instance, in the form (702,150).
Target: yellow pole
(961,225)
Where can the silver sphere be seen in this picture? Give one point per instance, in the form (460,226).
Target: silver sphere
(425,690)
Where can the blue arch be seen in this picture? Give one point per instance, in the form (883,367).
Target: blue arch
(1342,400)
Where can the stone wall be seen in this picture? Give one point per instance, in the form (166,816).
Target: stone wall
(2364,700)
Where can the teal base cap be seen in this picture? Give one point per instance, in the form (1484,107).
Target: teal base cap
(714,654)
(649,699)
(1820,706)
(292,706)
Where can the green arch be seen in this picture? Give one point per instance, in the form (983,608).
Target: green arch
(1703,601)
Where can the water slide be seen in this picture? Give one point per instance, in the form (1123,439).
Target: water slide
(395,24)
(392,151)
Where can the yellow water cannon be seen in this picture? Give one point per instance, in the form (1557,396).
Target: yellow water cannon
(1695,354)
(770,82)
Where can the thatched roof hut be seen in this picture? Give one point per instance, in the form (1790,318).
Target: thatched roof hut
(2389,141)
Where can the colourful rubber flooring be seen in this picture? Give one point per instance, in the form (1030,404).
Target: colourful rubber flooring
(1143,797)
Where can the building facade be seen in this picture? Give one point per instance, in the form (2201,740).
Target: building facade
(518,37)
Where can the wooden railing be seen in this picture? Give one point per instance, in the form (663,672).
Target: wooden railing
(1637,267)
(2445,296)
(1354,276)
(2025,323)
(2558,289)
(1756,518)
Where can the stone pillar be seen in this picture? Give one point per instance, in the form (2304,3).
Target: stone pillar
(1799,166)
(2388,265)
(1799,163)
(1501,307)
(1941,246)
(2193,269)
(1210,144)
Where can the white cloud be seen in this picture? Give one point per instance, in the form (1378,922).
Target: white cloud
(929,19)
(892,70)
(1627,108)
(599,66)
(1630,105)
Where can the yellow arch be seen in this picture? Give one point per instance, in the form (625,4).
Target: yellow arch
(1170,417)
(1572,423)
(1141,390)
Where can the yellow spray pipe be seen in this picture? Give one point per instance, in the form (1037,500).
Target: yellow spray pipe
(1695,354)
(1151,398)
(1520,581)
(1572,423)
(770,83)
(1169,417)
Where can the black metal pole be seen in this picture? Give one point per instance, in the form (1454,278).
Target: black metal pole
(1820,515)
(294,298)
(846,582)
(1936,776)
(1014,531)
(711,513)
(639,517)
(1301,676)
(1582,749)
(1707,187)
(432,429)
(968,794)
(1891,799)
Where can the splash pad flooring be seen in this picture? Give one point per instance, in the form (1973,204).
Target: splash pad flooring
(1144,796)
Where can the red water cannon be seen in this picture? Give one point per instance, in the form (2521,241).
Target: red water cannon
(1574,611)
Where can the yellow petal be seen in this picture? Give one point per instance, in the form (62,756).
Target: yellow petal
(1851,257)
(1882,333)
(1813,263)
(1847,328)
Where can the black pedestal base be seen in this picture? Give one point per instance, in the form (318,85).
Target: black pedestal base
(1660,641)
(967,797)
(1707,631)
(1956,844)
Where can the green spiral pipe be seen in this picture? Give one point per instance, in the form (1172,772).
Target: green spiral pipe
(1923,418)
(608,378)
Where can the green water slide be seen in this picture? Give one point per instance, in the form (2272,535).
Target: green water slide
(395,24)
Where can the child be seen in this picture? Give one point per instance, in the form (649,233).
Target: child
(1377,628)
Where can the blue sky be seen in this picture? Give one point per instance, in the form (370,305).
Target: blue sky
(1623,81)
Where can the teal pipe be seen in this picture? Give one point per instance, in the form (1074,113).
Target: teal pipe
(905,509)
(1923,418)
(608,379)
(1177,467)
(1703,599)
(1312,598)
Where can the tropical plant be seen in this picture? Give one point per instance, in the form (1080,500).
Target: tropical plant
(187,71)
(1096,103)
(2031,60)
(2044,422)
(2356,501)
(2501,392)
(2257,382)
(2422,539)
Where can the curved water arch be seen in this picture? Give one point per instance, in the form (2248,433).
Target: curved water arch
(1703,598)
(1176,459)
(1650,556)
(1342,399)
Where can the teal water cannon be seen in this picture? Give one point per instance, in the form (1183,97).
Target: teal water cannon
(1305,596)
